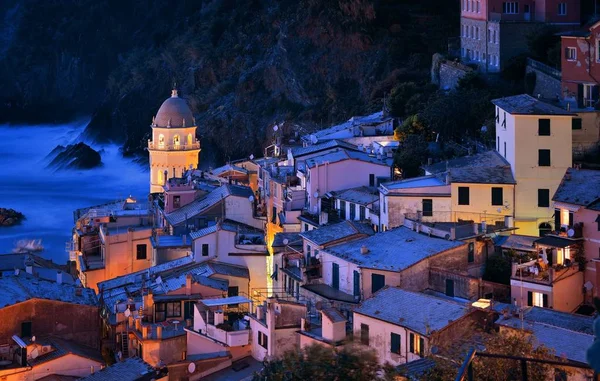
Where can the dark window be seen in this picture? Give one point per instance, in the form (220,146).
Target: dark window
(342,209)
(497,196)
(598,222)
(362,213)
(205,249)
(544,127)
(529,298)
(233,291)
(560,375)
(305,227)
(427,207)
(263,340)
(576,124)
(141,251)
(421,346)
(570,219)
(162,311)
(545,300)
(557,219)
(498,144)
(395,341)
(364,334)
(449,287)
(176,201)
(543,198)
(352,212)
(471,257)
(335,276)
(544,158)
(411,343)
(372,180)
(356,283)
(463,195)
(26,329)
(377,282)
(505,150)
(188,310)
(274,215)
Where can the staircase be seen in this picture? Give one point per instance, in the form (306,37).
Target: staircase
(124,345)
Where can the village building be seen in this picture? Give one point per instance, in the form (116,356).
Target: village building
(330,330)
(50,357)
(32,306)
(375,125)
(237,244)
(403,326)
(358,204)
(577,216)
(110,240)
(535,139)
(568,335)
(173,148)
(522,245)
(493,31)
(35,265)
(131,369)
(145,313)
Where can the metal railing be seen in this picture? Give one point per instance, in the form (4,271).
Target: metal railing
(173,147)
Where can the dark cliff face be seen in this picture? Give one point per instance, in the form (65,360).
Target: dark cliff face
(241,64)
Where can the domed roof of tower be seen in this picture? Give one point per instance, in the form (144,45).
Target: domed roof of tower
(174,112)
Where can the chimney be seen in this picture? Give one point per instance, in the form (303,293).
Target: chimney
(429,161)
(184,239)
(59,277)
(29,267)
(475,228)
(78,291)
(150,303)
(364,250)
(302,324)
(452,233)
(17,271)
(188,284)
(448,178)
(159,329)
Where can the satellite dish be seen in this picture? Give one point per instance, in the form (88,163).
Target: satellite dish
(316,194)
(588,285)
(251,157)
(251,198)
(570,232)
(275,127)
(434,350)
(191,367)
(127,312)
(484,129)
(33,339)
(35,353)
(313,139)
(499,210)
(286,241)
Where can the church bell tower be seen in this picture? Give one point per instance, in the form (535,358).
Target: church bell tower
(173,148)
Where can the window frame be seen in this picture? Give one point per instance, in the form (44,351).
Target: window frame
(562,7)
(364,334)
(543,127)
(137,251)
(204,249)
(461,196)
(570,53)
(395,343)
(499,192)
(427,212)
(510,7)
(544,157)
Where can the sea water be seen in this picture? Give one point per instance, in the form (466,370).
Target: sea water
(47,197)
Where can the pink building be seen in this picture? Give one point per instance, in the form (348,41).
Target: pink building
(577,212)
(494,31)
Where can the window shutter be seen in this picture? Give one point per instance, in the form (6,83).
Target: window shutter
(595,93)
(580,95)
(570,219)
(545,300)
(556,219)
(412,343)
(529,298)
(421,346)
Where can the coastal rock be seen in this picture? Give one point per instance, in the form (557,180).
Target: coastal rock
(10,217)
(74,156)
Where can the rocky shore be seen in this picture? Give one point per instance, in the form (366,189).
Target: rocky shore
(10,217)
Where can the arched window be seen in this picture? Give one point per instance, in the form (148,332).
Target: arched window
(159,177)
(176,140)
(545,228)
(161,141)
(190,139)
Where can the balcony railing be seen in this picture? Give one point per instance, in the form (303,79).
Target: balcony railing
(173,147)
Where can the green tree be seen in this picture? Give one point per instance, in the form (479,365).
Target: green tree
(411,155)
(412,125)
(498,269)
(320,363)
(542,43)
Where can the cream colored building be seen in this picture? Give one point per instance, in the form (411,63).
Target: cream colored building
(174,147)
(536,139)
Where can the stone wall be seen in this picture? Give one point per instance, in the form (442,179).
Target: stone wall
(450,73)
(547,84)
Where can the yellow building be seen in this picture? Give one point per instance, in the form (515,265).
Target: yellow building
(174,147)
(536,139)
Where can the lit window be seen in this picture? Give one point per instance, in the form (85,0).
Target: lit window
(161,141)
(537,299)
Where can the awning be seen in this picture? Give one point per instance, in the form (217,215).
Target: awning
(554,241)
(225,301)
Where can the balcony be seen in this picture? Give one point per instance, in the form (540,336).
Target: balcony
(223,320)
(537,272)
(173,147)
